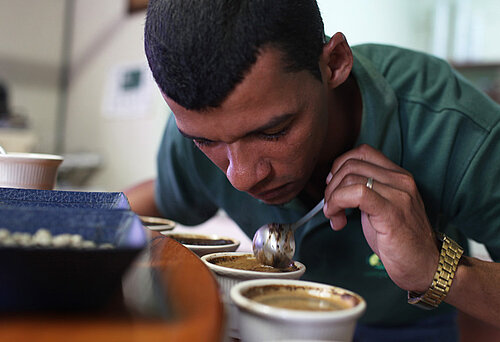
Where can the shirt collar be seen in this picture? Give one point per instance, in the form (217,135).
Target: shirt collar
(380,125)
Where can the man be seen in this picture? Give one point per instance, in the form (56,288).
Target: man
(269,117)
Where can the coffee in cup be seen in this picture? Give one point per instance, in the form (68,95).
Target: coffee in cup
(301,298)
(248,262)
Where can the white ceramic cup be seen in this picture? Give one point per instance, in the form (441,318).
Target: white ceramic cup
(261,321)
(29,170)
(228,277)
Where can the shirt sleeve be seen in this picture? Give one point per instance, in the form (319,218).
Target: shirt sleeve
(180,193)
(476,205)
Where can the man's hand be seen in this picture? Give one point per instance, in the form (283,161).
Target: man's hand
(393,215)
(142,199)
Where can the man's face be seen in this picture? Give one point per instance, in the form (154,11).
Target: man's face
(268,134)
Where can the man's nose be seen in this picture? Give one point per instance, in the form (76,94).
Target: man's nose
(246,166)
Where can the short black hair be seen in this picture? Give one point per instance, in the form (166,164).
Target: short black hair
(199,50)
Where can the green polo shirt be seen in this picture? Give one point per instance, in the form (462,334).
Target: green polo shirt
(419,113)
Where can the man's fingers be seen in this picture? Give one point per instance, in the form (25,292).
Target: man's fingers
(371,201)
(355,171)
(367,154)
(338,221)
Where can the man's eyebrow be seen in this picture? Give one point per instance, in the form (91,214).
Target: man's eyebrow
(191,136)
(275,121)
(270,124)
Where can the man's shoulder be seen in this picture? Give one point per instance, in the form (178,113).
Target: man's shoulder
(421,78)
(398,64)
(376,48)
(378,53)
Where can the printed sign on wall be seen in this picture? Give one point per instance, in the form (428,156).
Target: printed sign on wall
(128,92)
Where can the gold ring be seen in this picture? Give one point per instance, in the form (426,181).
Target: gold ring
(369,183)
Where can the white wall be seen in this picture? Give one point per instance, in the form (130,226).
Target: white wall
(489,14)
(458,30)
(405,23)
(106,36)
(30,55)
(475,29)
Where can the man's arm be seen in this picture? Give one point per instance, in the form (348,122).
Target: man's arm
(142,198)
(475,289)
(396,227)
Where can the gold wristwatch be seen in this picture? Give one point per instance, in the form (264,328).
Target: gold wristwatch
(448,263)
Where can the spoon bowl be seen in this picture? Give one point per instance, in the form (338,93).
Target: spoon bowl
(274,243)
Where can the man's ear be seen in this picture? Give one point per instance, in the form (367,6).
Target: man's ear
(336,60)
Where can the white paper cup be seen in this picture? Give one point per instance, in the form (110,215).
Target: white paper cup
(265,322)
(228,277)
(29,170)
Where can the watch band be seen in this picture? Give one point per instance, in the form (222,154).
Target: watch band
(449,257)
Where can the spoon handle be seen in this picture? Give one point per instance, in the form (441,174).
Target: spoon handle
(309,215)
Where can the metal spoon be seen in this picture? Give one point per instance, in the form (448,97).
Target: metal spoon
(274,243)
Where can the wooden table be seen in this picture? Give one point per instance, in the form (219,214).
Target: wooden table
(191,294)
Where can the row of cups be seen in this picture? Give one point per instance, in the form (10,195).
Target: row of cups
(278,306)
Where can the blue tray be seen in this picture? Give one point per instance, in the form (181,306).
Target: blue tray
(59,198)
(67,279)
